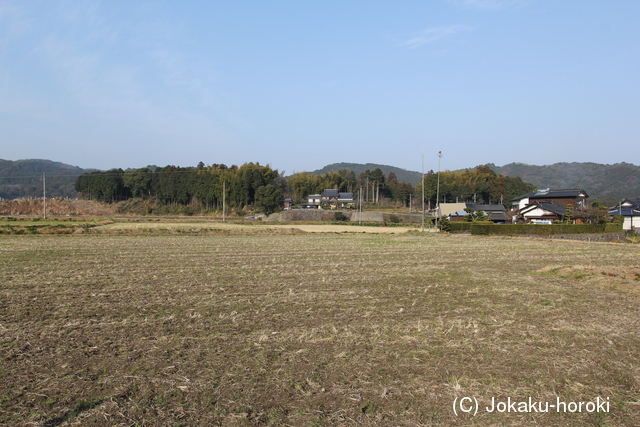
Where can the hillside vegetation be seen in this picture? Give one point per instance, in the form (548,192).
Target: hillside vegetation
(607,183)
(402,175)
(23,178)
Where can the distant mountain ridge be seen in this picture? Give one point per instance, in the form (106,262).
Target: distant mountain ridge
(608,183)
(403,175)
(23,178)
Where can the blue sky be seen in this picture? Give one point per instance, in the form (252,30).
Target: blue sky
(301,84)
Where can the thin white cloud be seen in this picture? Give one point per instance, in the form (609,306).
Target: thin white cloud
(491,4)
(433,34)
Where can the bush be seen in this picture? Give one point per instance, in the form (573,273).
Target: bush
(445,224)
(618,219)
(459,226)
(339,216)
(395,218)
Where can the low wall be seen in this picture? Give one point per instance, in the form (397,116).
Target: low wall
(408,217)
(306,215)
(367,216)
(320,214)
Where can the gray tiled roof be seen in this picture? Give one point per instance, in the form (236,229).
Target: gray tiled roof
(558,194)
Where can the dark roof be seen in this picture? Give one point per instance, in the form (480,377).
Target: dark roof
(346,195)
(491,215)
(552,207)
(496,216)
(486,208)
(624,212)
(545,194)
(633,202)
(524,196)
(330,192)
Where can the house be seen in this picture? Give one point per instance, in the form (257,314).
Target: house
(287,203)
(330,198)
(346,200)
(543,212)
(446,209)
(313,202)
(630,211)
(494,213)
(575,197)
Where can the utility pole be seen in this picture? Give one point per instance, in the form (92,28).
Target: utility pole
(44,195)
(360,200)
(438,191)
(422,184)
(224,201)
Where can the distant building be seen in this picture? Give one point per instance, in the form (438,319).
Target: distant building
(330,198)
(575,197)
(313,202)
(630,211)
(494,213)
(544,212)
(287,203)
(545,205)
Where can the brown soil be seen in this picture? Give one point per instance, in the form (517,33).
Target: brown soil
(313,329)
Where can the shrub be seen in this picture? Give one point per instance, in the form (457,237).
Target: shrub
(339,216)
(395,218)
(445,224)
(459,226)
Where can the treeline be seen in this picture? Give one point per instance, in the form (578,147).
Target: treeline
(374,185)
(263,188)
(480,185)
(249,184)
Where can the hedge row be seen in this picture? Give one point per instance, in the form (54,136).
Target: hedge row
(512,229)
(460,226)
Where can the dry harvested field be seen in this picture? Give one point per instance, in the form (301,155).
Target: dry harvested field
(317,329)
(247,227)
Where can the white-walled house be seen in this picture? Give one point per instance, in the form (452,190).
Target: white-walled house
(630,211)
(331,198)
(543,212)
(546,204)
(575,197)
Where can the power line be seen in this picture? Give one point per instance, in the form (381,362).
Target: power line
(616,182)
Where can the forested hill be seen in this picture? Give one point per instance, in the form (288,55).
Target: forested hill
(23,178)
(403,175)
(608,183)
